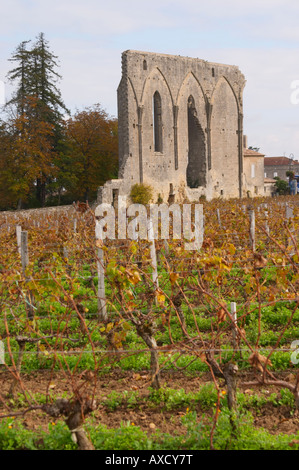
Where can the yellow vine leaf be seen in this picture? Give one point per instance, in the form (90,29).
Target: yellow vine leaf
(160,297)
(173,278)
(109,327)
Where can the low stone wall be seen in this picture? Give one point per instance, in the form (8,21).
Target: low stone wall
(36,213)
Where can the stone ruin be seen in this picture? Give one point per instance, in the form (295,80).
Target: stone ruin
(180,128)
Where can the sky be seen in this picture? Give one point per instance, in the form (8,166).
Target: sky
(261,37)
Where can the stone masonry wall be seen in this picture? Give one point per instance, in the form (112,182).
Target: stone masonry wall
(199,121)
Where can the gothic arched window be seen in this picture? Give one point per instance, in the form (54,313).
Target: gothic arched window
(157,118)
(196,169)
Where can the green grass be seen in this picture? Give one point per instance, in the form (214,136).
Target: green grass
(195,435)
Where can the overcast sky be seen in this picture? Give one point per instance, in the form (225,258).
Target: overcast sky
(88,36)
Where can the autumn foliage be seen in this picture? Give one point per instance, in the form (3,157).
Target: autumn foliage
(47,155)
(181,321)
(93,146)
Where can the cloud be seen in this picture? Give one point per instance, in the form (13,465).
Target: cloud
(89,17)
(260,36)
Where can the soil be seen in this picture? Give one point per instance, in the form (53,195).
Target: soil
(275,419)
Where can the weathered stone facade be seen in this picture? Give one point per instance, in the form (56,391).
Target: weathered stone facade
(180,128)
(253,167)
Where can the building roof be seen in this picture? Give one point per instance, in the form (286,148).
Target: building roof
(276,161)
(269,180)
(252,153)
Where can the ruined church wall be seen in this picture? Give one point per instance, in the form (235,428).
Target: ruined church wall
(215,91)
(224,174)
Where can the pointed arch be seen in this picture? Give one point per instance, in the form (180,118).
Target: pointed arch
(192,84)
(222,80)
(128,136)
(192,125)
(196,167)
(225,161)
(158,76)
(157,122)
(134,92)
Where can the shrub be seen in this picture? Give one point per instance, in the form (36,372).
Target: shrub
(281,186)
(141,193)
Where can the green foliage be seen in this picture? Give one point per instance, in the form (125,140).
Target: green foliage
(37,126)
(170,398)
(178,398)
(207,396)
(92,152)
(197,287)
(141,193)
(58,438)
(126,437)
(197,436)
(14,437)
(159,199)
(281,360)
(116,399)
(281,186)
(45,159)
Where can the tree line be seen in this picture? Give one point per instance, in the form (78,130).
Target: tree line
(47,155)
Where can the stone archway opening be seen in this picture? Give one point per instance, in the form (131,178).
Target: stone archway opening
(196,168)
(157,118)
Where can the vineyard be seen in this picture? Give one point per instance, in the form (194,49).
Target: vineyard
(139,345)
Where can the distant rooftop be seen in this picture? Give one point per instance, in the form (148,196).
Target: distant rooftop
(274,161)
(252,153)
(269,180)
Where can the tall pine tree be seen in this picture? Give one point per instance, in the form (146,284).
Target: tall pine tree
(36,79)
(44,80)
(21,77)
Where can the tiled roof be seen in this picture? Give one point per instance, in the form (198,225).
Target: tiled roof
(274,161)
(252,153)
(269,180)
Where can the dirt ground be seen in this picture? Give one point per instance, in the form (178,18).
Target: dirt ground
(275,419)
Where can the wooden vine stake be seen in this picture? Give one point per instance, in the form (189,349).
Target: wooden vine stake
(289,217)
(219,218)
(29,299)
(267,228)
(102,310)
(18,234)
(24,251)
(252,229)
(153,254)
(99,235)
(233,311)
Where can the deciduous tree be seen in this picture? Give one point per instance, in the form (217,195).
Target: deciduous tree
(38,108)
(93,141)
(27,155)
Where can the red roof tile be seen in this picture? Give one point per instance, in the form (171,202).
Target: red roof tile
(274,161)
